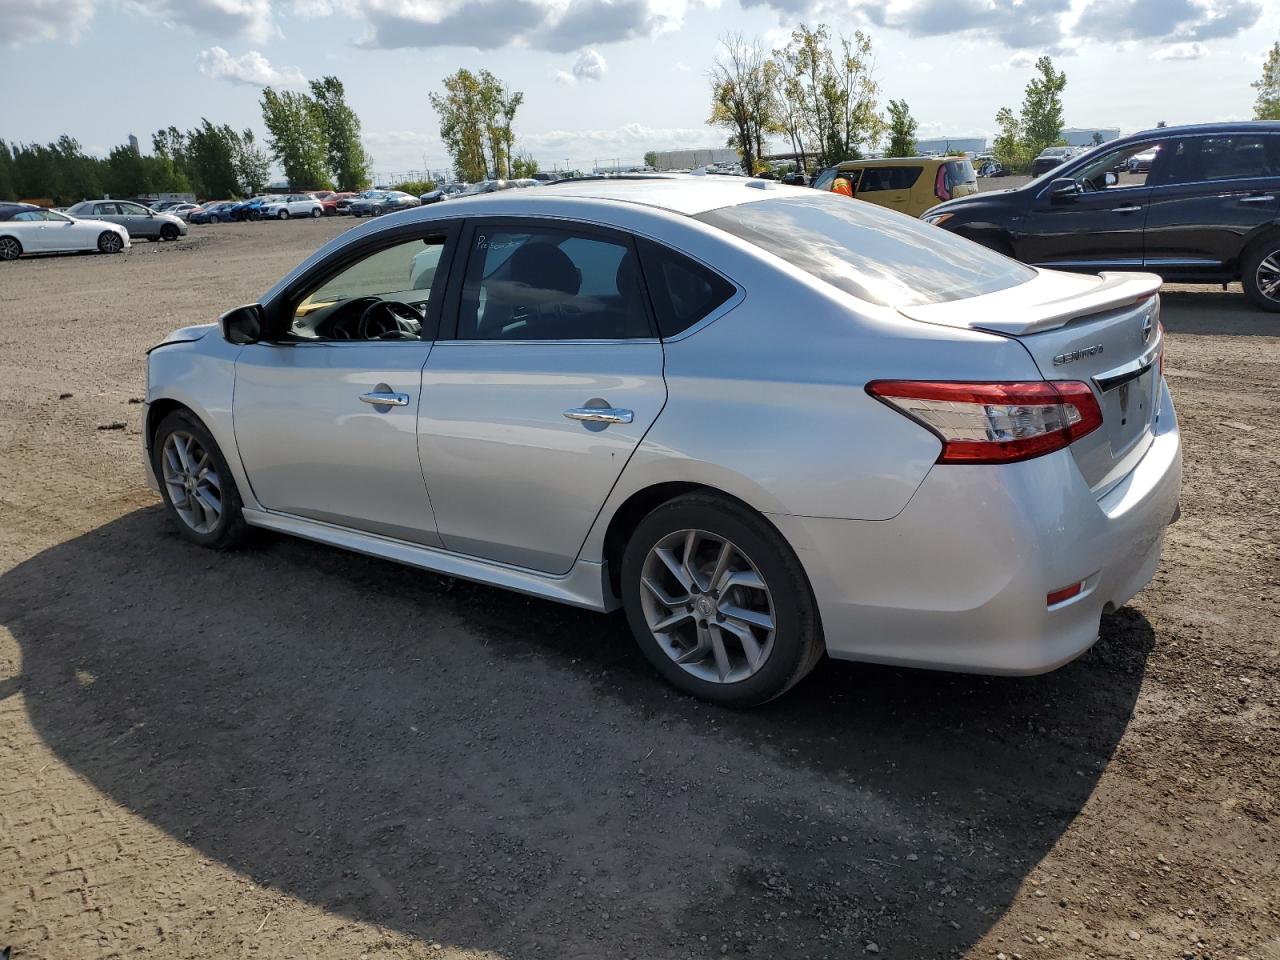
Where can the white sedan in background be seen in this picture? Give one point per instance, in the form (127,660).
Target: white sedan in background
(294,205)
(26,229)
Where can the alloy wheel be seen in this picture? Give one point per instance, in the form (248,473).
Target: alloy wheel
(10,249)
(708,606)
(110,243)
(1268,276)
(192,481)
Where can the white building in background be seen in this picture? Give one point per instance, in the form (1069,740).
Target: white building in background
(688,159)
(951,145)
(1084,136)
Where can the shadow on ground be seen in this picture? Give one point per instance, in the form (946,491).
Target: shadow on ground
(1221,313)
(477,768)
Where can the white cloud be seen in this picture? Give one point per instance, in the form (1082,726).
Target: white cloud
(682,67)
(251,68)
(251,19)
(25,21)
(1181,51)
(590,65)
(1020,61)
(565,78)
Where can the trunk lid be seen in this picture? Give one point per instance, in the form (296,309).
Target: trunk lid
(1102,330)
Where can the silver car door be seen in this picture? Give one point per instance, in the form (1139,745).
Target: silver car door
(546,386)
(326,424)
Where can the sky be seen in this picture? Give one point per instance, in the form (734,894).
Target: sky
(604,80)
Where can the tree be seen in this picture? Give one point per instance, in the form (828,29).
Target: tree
(902,130)
(296,138)
(1039,124)
(651,159)
(1097,139)
(856,93)
(786,76)
(523,165)
(477,116)
(211,160)
(253,164)
(1267,106)
(1161,124)
(1042,107)
(742,97)
(347,160)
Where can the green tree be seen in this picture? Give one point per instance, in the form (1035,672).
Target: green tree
(902,130)
(651,159)
(742,98)
(296,138)
(1009,146)
(523,165)
(348,162)
(211,160)
(1267,106)
(1097,139)
(7,190)
(253,164)
(477,117)
(1042,107)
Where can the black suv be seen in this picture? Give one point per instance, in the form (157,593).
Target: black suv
(1205,210)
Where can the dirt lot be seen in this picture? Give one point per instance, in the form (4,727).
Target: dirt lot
(294,752)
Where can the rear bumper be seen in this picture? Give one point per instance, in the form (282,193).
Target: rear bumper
(959,579)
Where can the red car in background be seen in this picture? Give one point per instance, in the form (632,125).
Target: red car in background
(331,202)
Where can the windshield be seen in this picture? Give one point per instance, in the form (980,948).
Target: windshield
(873,253)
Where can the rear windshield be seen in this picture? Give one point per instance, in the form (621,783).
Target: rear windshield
(871,252)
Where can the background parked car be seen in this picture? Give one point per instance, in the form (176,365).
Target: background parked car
(1208,210)
(141,222)
(217,212)
(182,210)
(910,185)
(27,229)
(377,202)
(331,203)
(250,209)
(1049,158)
(294,205)
(432,196)
(1141,162)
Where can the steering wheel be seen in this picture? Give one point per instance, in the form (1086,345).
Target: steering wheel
(389,320)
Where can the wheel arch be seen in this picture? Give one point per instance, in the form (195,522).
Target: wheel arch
(1267,233)
(990,235)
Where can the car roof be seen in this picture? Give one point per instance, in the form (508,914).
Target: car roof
(689,194)
(1233,126)
(894,162)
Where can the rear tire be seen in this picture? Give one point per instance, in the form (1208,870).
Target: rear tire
(1260,274)
(745,637)
(109,242)
(10,248)
(199,491)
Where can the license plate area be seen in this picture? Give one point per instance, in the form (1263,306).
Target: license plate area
(1128,409)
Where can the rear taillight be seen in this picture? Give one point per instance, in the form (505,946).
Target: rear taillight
(995,422)
(940,184)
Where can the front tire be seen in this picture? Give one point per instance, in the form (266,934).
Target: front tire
(109,242)
(10,248)
(316,212)
(1260,274)
(169,232)
(283,215)
(718,601)
(199,491)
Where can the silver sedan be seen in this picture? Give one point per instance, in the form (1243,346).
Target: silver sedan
(769,423)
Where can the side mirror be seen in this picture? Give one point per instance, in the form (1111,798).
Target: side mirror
(1110,179)
(1063,188)
(242,325)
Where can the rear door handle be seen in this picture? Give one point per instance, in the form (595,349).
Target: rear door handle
(600,414)
(1130,208)
(1256,198)
(381,398)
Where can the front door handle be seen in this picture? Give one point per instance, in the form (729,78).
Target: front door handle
(1258,198)
(600,414)
(1129,208)
(385,398)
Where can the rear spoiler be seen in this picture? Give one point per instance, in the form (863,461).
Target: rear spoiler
(1016,310)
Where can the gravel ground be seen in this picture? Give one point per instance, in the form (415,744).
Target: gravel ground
(292,751)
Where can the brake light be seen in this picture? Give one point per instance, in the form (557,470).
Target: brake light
(940,184)
(995,422)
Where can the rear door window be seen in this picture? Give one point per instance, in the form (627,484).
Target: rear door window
(1235,157)
(888,178)
(869,251)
